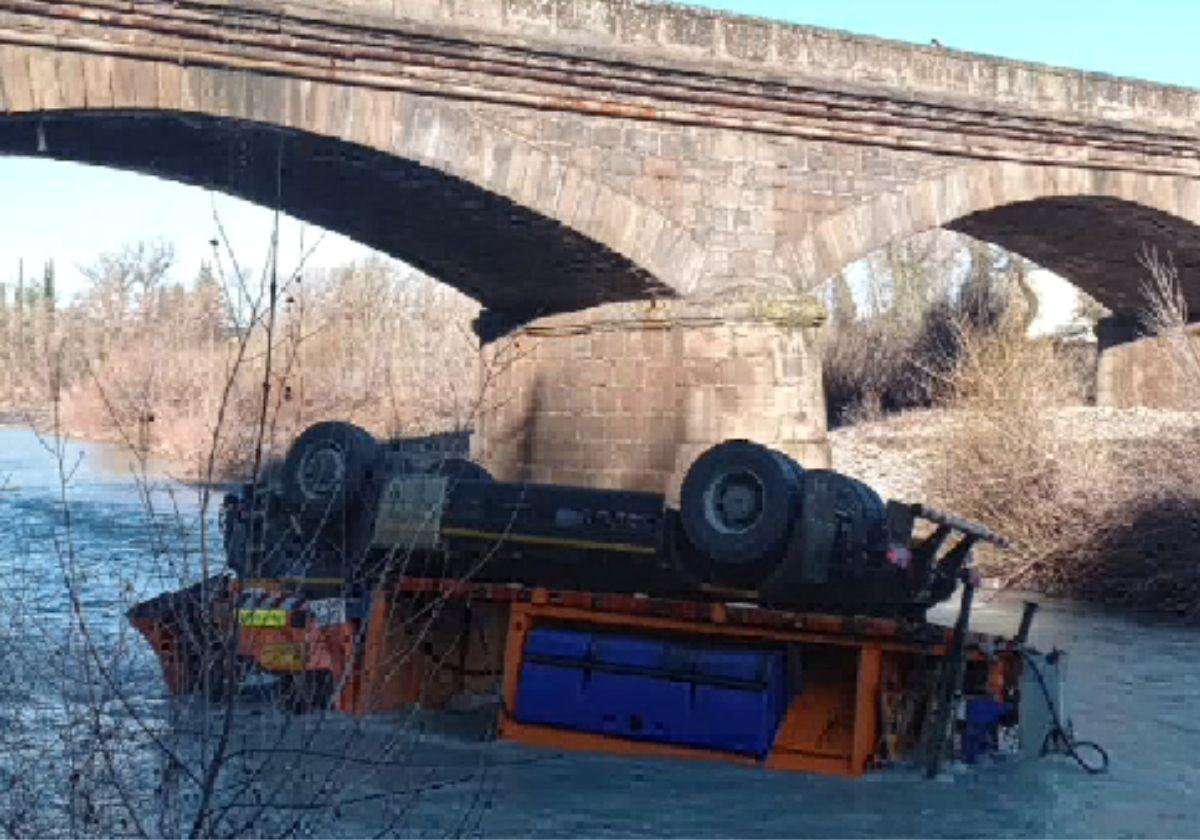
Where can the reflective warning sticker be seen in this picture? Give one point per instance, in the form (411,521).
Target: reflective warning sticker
(282,657)
(263,618)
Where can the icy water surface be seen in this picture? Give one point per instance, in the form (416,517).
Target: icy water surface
(1133,686)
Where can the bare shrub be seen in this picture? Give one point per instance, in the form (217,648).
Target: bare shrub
(1143,548)
(1003,461)
(1090,517)
(1166,318)
(881,365)
(89,745)
(918,292)
(1141,544)
(145,362)
(390,349)
(877,357)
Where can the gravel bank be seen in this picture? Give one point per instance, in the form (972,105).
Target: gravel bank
(892,454)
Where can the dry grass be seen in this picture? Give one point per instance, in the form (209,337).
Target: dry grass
(145,364)
(1104,520)
(918,295)
(1005,462)
(882,365)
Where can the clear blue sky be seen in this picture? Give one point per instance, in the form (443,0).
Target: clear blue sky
(1150,39)
(74,213)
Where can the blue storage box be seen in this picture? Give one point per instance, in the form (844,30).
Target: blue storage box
(745,665)
(979,730)
(634,653)
(728,699)
(551,695)
(566,644)
(634,707)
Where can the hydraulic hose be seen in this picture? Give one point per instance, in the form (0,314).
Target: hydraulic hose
(1061,739)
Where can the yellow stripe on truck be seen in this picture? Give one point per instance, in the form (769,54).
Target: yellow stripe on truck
(292,583)
(263,618)
(560,542)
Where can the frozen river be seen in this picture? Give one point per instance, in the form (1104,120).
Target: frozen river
(81,698)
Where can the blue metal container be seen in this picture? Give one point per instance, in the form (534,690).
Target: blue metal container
(648,689)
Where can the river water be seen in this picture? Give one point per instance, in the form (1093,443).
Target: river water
(74,683)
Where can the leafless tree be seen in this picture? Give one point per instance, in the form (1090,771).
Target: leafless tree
(1166,316)
(95,746)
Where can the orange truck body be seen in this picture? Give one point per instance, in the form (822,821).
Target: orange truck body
(866,680)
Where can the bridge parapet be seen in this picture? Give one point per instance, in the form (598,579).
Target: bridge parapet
(653,32)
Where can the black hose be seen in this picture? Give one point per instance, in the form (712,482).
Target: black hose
(1061,739)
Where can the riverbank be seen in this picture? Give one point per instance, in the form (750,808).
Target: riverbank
(37,418)
(1102,504)
(371,342)
(152,465)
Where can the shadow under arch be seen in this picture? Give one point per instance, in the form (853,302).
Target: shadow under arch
(1087,225)
(517,262)
(1096,242)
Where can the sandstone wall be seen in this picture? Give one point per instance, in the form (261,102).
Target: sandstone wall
(1151,372)
(627,397)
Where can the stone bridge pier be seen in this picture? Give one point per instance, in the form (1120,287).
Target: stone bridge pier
(626,396)
(1137,370)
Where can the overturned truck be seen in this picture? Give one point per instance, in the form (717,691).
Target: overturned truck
(752,524)
(776,617)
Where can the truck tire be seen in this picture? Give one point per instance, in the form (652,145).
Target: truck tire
(329,467)
(837,540)
(738,503)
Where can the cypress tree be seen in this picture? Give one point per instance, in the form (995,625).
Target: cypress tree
(48,294)
(19,301)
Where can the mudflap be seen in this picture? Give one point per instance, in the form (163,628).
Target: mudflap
(193,635)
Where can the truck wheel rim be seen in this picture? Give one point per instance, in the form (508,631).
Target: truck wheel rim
(734,502)
(322,471)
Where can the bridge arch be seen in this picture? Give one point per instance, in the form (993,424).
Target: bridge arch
(1087,225)
(425,180)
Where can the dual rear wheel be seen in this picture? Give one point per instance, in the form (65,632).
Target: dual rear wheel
(737,505)
(756,520)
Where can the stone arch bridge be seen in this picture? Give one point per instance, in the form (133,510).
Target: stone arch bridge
(558,159)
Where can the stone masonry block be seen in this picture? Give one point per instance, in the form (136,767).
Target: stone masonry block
(531,16)
(638,400)
(606,401)
(43,80)
(706,344)
(641,24)
(590,427)
(597,18)
(684,28)
(98,79)
(625,376)
(743,371)
(746,40)
(663,167)
(596,372)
